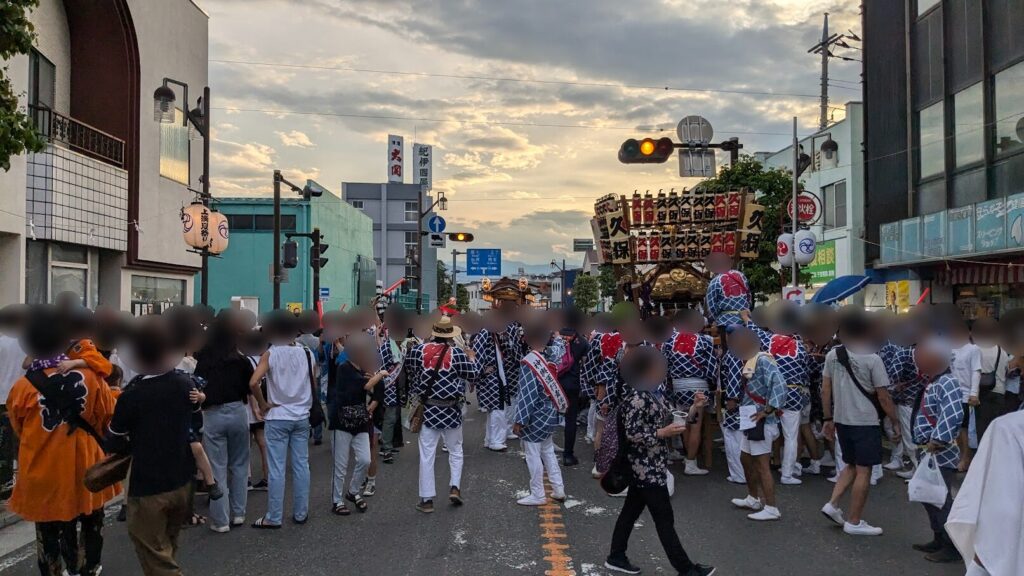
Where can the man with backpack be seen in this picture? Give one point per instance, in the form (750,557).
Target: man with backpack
(855,397)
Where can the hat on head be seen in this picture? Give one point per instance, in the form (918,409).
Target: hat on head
(444,328)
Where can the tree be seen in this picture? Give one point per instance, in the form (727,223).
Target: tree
(462,298)
(775,189)
(585,292)
(444,283)
(606,281)
(17,131)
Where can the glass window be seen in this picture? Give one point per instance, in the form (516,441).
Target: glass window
(69,253)
(835,204)
(42,81)
(932,153)
(266,222)
(925,5)
(969,188)
(969,125)
(36,265)
(174,147)
(151,289)
(412,211)
(64,279)
(1009,110)
(238,222)
(931,197)
(1007,177)
(410,273)
(357,204)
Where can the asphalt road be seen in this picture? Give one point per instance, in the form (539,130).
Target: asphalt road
(490,535)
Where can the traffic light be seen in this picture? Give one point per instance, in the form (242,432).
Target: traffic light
(290,254)
(312,190)
(646,151)
(460,237)
(316,258)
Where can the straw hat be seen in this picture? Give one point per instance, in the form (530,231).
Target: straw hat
(444,328)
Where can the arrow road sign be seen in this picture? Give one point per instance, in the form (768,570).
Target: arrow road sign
(436,224)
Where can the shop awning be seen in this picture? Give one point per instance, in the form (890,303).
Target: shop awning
(1002,273)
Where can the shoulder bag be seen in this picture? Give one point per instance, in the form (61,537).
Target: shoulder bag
(316,410)
(420,403)
(843,356)
(988,379)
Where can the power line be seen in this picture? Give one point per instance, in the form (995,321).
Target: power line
(511,79)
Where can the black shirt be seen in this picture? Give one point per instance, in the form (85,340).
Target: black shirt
(349,390)
(570,380)
(227,377)
(151,422)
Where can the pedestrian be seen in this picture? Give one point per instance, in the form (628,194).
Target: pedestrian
(440,371)
(308,325)
(692,366)
(493,384)
(937,421)
(897,356)
(291,390)
(541,400)
(512,350)
(57,416)
(227,373)
(854,385)
(648,424)
(728,292)
(357,391)
(252,345)
(966,368)
(392,358)
(152,423)
(985,334)
(763,391)
(577,348)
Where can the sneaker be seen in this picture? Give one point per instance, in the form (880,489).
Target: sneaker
(893,464)
(833,513)
(735,480)
(862,529)
(425,506)
(388,458)
(834,478)
(749,503)
(813,468)
(827,461)
(455,496)
(693,470)
(238,520)
(621,565)
(676,456)
(876,474)
(261,485)
(770,513)
(622,494)
(532,501)
(369,490)
(798,470)
(215,491)
(934,546)
(790,481)
(595,473)
(558,448)
(570,460)
(558,495)
(906,474)
(444,448)
(511,436)
(220,529)
(501,448)
(700,570)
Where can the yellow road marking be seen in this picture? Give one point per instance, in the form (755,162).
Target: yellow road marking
(556,539)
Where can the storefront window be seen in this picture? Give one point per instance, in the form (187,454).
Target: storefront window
(988,301)
(932,153)
(969,126)
(64,279)
(151,294)
(1009,110)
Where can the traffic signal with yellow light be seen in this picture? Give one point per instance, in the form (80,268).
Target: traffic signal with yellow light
(646,151)
(460,236)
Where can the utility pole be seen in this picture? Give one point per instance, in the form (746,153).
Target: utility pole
(795,216)
(455,291)
(824,48)
(277,239)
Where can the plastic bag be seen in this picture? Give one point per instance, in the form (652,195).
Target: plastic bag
(927,485)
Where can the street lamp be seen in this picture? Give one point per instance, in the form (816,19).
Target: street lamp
(442,204)
(164,113)
(561,269)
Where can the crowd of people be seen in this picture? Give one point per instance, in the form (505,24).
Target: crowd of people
(188,395)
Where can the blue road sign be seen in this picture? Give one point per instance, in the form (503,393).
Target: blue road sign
(483,262)
(436,224)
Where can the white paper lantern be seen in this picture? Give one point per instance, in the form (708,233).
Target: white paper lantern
(804,243)
(219,234)
(195,225)
(784,249)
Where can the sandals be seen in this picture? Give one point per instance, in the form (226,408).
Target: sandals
(262,524)
(357,500)
(341,510)
(196,520)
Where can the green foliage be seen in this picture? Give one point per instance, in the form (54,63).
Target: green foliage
(585,292)
(774,188)
(17,132)
(462,298)
(624,311)
(606,279)
(444,283)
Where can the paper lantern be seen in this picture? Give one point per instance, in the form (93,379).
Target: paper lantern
(195,225)
(784,249)
(804,244)
(221,231)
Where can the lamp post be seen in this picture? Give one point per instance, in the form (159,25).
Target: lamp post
(561,269)
(164,112)
(441,203)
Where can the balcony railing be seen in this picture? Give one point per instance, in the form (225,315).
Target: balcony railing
(78,136)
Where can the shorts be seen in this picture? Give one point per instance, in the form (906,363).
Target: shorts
(805,414)
(861,445)
(760,447)
(965,422)
(257,426)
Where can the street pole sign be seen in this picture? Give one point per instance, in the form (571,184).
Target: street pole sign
(696,161)
(436,224)
(483,262)
(794,294)
(438,240)
(325,294)
(808,206)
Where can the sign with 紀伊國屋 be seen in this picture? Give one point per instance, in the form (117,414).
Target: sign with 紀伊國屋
(422,165)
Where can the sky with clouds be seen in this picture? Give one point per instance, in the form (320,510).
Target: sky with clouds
(521,162)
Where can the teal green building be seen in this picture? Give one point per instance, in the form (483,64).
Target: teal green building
(241,276)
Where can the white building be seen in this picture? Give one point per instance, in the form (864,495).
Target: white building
(97,211)
(837,182)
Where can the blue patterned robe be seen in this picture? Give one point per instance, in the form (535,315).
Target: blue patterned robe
(725,300)
(731,385)
(391,358)
(690,356)
(815,368)
(902,371)
(589,365)
(938,417)
(609,377)
(793,361)
(491,391)
(535,410)
(513,347)
(450,383)
(768,384)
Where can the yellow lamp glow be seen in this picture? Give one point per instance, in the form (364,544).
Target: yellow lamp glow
(647,147)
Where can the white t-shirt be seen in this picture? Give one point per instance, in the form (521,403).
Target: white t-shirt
(11,359)
(288,383)
(995,359)
(966,367)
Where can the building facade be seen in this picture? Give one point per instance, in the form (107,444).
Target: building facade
(944,151)
(241,277)
(97,212)
(835,181)
(394,210)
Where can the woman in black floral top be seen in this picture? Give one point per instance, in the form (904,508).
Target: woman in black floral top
(648,425)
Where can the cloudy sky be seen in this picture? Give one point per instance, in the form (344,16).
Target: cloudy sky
(525,101)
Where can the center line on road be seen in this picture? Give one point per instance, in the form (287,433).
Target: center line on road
(555,537)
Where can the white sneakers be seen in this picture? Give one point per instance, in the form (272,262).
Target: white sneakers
(532,501)
(790,481)
(833,513)
(894,464)
(693,470)
(749,503)
(675,455)
(862,529)
(768,514)
(906,474)
(827,461)
(814,467)
(558,495)
(735,480)
(876,474)
(595,473)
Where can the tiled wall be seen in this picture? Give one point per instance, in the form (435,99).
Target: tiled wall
(77,199)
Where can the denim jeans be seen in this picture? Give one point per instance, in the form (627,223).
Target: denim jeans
(226,440)
(287,439)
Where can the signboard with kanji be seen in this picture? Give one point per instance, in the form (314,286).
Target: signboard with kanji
(423,168)
(396,158)
(823,268)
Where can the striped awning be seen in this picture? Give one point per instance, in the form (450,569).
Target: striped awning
(1001,273)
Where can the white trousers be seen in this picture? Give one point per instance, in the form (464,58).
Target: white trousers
(906,447)
(428,451)
(790,438)
(540,457)
(510,415)
(592,420)
(732,453)
(342,442)
(496,430)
